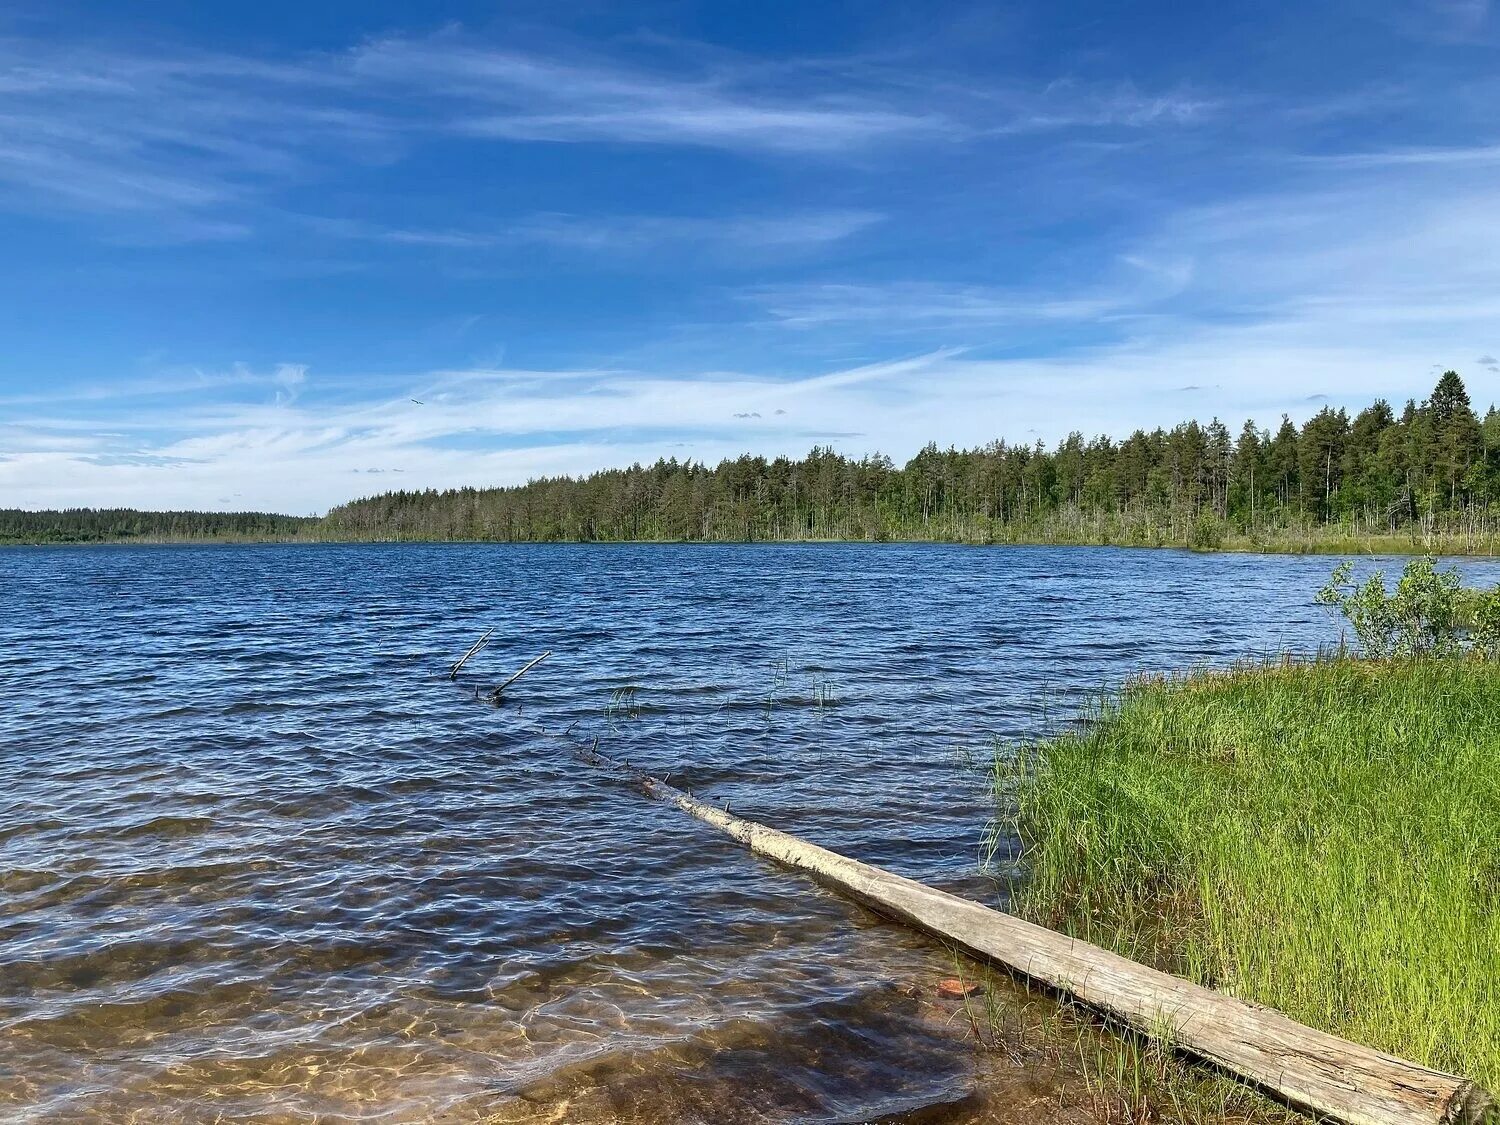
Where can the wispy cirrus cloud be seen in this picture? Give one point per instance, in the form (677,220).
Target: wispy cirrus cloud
(798,228)
(925,306)
(1456,156)
(1070,104)
(201,135)
(1408,252)
(512,95)
(107,131)
(626,234)
(918,305)
(283,378)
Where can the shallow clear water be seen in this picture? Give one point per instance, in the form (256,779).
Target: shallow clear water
(261,860)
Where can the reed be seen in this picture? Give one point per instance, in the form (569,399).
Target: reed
(1320,837)
(781,675)
(623,704)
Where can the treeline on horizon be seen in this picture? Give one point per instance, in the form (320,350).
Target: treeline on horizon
(106,525)
(1431,469)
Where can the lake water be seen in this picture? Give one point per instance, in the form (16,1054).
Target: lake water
(261,860)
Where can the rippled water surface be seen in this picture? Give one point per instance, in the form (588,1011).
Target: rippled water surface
(260,859)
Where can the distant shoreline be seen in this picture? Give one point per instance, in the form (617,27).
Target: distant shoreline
(1422,480)
(1453,546)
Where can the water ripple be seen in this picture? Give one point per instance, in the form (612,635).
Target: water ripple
(260,859)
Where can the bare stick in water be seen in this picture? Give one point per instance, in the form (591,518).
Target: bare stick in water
(495,695)
(475,647)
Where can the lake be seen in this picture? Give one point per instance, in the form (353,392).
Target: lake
(261,860)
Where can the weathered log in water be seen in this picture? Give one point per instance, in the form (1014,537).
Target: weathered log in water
(1329,1076)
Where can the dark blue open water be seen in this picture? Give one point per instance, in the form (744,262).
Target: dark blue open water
(260,860)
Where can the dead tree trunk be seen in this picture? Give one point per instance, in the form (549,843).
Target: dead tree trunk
(1312,1069)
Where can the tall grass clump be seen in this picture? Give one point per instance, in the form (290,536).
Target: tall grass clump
(1320,837)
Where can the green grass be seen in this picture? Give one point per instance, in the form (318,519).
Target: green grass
(1323,838)
(1102,1075)
(1108,530)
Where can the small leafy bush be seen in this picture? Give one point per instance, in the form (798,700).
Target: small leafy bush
(1483,611)
(1207,533)
(1429,614)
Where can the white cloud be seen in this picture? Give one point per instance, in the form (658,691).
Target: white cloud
(1068,104)
(289,379)
(494,92)
(106,131)
(171,382)
(1482,155)
(188,134)
(630,234)
(1404,257)
(1134,284)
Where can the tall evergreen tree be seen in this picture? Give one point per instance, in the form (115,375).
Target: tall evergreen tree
(1455,435)
(1282,462)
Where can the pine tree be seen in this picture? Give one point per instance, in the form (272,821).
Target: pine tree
(1247,473)
(1455,435)
(1281,461)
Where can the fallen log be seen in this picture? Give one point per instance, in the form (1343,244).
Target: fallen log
(1328,1076)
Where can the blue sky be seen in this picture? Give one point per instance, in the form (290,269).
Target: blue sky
(238,240)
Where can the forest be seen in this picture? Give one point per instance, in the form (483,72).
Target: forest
(105,525)
(1429,473)
(1431,469)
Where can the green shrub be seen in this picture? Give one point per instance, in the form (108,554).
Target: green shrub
(1207,533)
(1483,612)
(1429,614)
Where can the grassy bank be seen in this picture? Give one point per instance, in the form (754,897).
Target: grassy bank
(1324,541)
(1323,838)
(1330,539)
